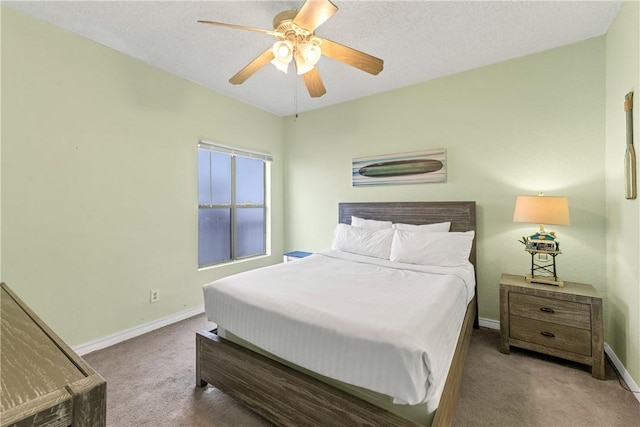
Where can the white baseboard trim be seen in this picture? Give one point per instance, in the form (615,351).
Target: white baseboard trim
(623,371)
(109,340)
(489,323)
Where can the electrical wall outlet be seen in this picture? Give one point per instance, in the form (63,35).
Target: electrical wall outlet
(155,295)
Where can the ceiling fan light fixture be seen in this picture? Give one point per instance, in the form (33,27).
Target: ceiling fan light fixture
(301,65)
(311,51)
(282,66)
(312,54)
(307,54)
(282,52)
(303,68)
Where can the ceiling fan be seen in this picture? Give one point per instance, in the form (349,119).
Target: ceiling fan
(296,40)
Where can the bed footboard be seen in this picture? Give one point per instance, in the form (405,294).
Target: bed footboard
(287,397)
(279,393)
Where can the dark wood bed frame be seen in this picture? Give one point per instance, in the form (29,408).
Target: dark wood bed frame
(288,397)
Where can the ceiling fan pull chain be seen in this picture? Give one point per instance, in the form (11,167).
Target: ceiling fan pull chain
(295,98)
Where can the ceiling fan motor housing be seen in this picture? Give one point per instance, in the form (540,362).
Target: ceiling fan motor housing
(283,21)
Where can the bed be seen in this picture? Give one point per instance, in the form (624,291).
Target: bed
(296,388)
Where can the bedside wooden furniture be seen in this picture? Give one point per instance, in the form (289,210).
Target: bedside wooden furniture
(44,383)
(292,256)
(563,322)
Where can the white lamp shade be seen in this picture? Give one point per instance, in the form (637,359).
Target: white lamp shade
(311,54)
(302,68)
(283,50)
(542,210)
(301,65)
(282,66)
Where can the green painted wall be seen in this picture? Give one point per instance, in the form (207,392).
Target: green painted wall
(515,128)
(98,172)
(99,180)
(622,308)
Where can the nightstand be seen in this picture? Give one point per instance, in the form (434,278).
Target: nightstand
(563,322)
(292,256)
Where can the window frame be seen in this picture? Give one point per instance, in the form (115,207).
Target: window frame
(233,206)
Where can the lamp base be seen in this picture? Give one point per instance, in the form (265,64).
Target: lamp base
(544,280)
(540,263)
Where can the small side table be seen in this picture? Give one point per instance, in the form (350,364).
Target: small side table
(563,322)
(292,256)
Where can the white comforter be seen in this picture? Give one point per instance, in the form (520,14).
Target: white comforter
(388,327)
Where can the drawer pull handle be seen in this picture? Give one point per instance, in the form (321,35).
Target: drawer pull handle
(547,310)
(547,334)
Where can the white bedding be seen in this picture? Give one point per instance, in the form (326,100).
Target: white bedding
(384,326)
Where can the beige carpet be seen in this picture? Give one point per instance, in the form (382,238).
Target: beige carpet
(151,382)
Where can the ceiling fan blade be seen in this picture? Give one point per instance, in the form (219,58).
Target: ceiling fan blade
(314,83)
(253,66)
(314,13)
(242,27)
(350,56)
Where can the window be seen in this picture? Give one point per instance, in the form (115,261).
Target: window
(232,210)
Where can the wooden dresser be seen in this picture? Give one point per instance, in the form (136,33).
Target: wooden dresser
(42,381)
(563,322)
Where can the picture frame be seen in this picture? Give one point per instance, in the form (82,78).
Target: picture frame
(405,168)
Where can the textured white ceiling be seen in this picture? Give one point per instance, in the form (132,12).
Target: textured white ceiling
(418,40)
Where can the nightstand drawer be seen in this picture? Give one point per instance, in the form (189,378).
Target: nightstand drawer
(565,313)
(551,335)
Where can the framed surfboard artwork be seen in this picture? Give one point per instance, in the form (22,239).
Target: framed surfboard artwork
(406,168)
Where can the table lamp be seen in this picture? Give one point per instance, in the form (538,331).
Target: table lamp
(542,245)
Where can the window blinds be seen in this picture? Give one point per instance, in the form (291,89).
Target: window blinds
(218,148)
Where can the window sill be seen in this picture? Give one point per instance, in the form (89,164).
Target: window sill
(231,263)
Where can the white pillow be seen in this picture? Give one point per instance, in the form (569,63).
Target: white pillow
(370,223)
(362,241)
(440,226)
(432,248)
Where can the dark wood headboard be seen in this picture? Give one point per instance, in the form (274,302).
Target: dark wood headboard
(461,214)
